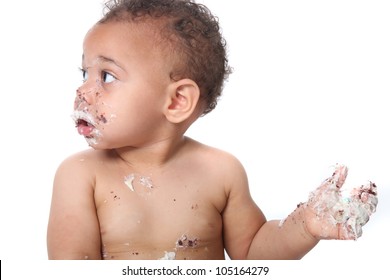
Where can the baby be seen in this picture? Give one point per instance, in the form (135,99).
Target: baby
(146,191)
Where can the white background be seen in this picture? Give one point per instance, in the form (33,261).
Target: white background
(310,89)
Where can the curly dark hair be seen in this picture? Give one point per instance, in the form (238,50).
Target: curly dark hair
(192,32)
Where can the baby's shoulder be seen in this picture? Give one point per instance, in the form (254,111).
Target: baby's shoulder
(82,161)
(80,169)
(221,168)
(210,156)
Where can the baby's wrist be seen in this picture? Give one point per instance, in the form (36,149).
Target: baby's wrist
(304,214)
(299,219)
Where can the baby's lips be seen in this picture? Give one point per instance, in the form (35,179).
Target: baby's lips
(84,129)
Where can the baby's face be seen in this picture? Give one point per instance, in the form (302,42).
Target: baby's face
(126,80)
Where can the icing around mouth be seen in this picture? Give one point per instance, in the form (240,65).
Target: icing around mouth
(86,125)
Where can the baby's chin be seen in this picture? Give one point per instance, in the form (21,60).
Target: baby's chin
(100,143)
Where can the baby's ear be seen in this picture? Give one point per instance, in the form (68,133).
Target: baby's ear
(182,100)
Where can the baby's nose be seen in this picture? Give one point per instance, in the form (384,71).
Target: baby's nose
(86,93)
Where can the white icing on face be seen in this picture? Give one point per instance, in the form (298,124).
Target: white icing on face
(90,113)
(86,126)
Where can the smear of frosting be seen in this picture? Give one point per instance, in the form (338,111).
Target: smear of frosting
(348,211)
(169,256)
(128,180)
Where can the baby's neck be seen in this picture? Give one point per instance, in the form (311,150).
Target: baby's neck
(154,154)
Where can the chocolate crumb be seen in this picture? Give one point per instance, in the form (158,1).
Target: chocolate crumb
(185,242)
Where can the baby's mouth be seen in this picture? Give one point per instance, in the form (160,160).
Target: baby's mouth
(84,128)
(84,123)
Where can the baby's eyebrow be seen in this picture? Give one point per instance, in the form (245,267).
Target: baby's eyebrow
(104,59)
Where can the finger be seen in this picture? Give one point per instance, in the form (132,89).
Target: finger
(353,227)
(349,232)
(357,210)
(337,180)
(340,175)
(328,193)
(366,195)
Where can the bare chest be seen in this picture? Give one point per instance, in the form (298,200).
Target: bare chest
(142,217)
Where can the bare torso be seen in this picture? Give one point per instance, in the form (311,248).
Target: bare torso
(194,205)
(172,212)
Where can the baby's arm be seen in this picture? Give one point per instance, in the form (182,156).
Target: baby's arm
(73,230)
(247,234)
(325,216)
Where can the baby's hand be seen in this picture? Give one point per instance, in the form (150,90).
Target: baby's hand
(329,215)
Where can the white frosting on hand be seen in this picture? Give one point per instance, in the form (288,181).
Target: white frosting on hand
(349,213)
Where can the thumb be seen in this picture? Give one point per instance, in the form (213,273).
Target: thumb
(339,175)
(334,182)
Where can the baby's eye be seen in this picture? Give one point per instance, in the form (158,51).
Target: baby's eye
(107,77)
(85,74)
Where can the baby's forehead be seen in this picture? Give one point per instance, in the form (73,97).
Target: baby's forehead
(130,41)
(158,32)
